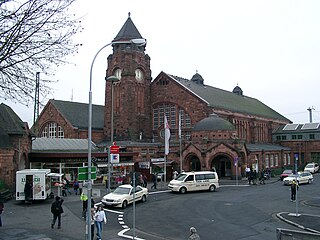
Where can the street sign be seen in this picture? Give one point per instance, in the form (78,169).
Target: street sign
(114,149)
(114,158)
(83,173)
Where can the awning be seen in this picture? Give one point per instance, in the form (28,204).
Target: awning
(162,163)
(55,174)
(102,165)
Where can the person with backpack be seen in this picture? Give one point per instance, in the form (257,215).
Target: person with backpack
(57,210)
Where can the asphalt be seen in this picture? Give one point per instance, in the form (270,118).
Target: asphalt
(32,221)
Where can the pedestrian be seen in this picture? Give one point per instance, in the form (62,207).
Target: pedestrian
(175,174)
(247,172)
(84,199)
(99,219)
(66,184)
(93,212)
(141,182)
(57,210)
(193,234)
(64,190)
(262,178)
(80,187)
(76,187)
(254,177)
(145,181)
(250,178)
(28,191)
(294,188)
(154,180)
(1,211)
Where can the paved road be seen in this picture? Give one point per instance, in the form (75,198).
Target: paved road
(32,222)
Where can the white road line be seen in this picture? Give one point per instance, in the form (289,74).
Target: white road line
(121,234)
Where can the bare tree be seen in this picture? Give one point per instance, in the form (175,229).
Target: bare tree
(35,36)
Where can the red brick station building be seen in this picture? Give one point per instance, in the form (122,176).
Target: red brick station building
(221,130)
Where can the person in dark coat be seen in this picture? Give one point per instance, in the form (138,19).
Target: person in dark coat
(262,178)
(154,180)
(294,188)
(56,210)
(28,191)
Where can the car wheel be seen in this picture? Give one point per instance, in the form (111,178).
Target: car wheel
(212,188)
(144,198)
(183,190)
(124,204)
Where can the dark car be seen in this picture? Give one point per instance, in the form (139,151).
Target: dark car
(285,174)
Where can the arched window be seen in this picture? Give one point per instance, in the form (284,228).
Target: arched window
(52,130)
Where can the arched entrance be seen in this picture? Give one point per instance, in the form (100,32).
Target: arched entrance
(194,163)
(223,165)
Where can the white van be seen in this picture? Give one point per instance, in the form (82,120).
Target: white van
(195,181)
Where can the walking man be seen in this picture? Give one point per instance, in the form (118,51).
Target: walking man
(56,210)
(154,180)
(294,188)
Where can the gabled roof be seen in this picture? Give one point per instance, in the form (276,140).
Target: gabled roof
(128,31)
(10,124)
(78,113)
(225,100)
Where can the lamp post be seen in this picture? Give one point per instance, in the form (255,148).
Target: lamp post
(111,79)
(139,41)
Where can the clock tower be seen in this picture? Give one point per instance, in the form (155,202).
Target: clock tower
(131,95)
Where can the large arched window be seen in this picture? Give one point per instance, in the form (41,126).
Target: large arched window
(175,115)
(52,130)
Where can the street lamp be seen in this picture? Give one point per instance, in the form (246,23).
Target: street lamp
(111,79)
(139,42)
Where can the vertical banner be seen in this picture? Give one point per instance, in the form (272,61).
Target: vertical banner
(166,135)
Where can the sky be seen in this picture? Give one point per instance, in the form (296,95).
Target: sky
(271,49)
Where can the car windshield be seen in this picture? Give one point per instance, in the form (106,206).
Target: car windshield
(121,190)
(287,171)
(310,165)
(181,177)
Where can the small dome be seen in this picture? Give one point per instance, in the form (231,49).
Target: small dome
(237,90)
(197,78)
(213,123)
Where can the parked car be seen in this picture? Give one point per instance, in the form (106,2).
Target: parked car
(123,195)
(302,177)
(285,174)
(312,167)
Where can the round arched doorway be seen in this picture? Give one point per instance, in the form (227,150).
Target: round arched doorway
(194,163)
(222,165)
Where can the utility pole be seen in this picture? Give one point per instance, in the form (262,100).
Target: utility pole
(310,113)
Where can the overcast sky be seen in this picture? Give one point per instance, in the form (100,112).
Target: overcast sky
(271,49)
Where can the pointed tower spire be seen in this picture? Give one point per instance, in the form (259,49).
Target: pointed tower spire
(128,31)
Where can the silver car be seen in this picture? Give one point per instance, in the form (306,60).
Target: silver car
(302,177)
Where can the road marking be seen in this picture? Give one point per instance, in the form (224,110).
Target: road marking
(121,234)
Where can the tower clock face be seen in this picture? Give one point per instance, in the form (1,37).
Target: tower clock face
(117,73)
(139,75)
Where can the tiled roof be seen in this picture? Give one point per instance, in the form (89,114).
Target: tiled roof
(61,145)
(78,113)
(10,124)
(225,100)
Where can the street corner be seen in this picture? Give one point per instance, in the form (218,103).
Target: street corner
(307,222)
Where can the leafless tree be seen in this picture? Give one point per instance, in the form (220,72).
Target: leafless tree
(35,36)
